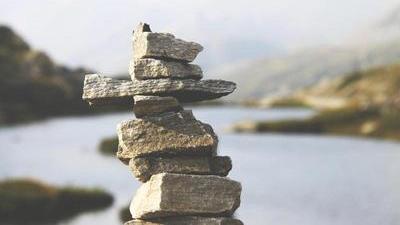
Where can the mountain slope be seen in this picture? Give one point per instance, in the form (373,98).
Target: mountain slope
(378,87)
(285,75)
(377,45)
(32,86)
(370,107)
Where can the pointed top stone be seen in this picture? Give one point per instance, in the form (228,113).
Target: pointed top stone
(142,27)
(147,44)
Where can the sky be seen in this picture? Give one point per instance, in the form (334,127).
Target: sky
(97,33)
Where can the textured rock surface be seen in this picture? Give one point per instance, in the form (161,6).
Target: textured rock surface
(168,194)
(152,105)
(99,89)
(144,168)
(189,220)
(169,133)
(147,44)
(143,69)
(174,154)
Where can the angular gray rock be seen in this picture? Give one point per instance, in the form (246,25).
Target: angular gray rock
(152,105)
(167,134)
(99,89)
(174,154)
(143,69)
(169,194)
(144,168)
(188,220)
(147,44)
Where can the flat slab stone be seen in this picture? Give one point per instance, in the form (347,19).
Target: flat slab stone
(169,194)
(101,90)
(147,44)
(143,69)
(153,105)
(144,168)
(167,134)
(188,220)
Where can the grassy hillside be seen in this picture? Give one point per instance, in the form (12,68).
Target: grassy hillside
(378,86)
(370,107)
(32,86)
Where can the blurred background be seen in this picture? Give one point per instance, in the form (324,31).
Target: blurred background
(313,128)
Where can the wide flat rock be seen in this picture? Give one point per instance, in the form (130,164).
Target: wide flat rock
(147,44)
(144,168)
(100,90)
(188,220)
(143,69)
(169,194)
(153,105)
(167,134)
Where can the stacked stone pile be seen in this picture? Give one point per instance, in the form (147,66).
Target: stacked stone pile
(166,148)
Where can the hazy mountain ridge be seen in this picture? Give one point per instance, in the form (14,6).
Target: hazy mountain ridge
(272,77)
(282,76)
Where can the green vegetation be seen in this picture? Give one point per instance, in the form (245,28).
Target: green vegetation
(374,87)
(109,146)
(350,79)
(370,122)
(125,214)
(289,102)
(372,107)
(29,200)
(33,87)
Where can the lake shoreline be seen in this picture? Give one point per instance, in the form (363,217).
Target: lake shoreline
(370,122)
(102,110)
(307,165)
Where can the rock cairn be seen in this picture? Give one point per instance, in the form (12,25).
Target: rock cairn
(166,148)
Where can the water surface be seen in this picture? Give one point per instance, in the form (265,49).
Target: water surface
(287,179)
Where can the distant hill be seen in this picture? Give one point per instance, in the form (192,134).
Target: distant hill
(378,45)
(281,76)
(32,86)
(285,75)
(363,103)
(378,87)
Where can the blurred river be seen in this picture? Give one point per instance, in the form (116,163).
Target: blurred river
(287,179)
